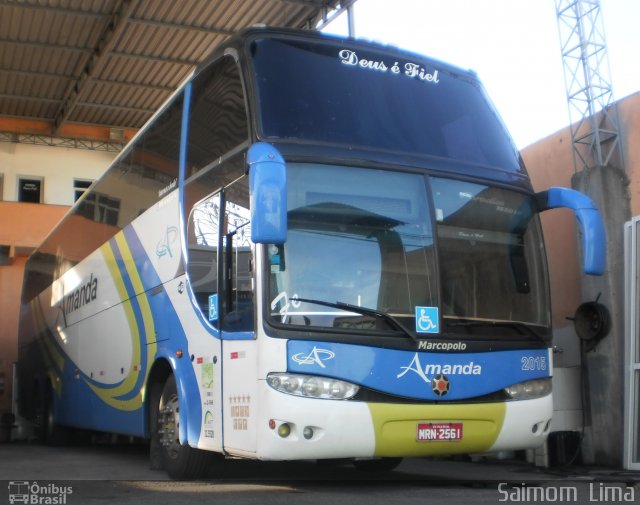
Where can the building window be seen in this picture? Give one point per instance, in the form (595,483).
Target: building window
(30,189)
(1,187)
(79,187)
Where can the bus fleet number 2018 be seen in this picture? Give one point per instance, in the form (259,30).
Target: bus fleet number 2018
(531,363)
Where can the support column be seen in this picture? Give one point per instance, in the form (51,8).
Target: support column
(604,388)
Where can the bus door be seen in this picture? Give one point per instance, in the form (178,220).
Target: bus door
(205,346)
(239,349)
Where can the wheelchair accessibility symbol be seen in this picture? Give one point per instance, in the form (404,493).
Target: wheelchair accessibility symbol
(427,320)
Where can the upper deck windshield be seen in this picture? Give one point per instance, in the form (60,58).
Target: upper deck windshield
(364,237)
(342,93)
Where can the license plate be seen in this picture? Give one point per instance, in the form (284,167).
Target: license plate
(438,432)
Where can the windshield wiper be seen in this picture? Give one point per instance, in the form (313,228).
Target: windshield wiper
(521,328)
(365,311)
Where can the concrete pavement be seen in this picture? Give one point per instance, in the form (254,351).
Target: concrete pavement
(21,461)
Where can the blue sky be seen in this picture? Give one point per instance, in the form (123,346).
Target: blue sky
(513,45)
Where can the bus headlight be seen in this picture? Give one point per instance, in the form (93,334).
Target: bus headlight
(527,390)
(312,386)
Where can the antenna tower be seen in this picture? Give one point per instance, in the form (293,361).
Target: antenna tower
(593,116)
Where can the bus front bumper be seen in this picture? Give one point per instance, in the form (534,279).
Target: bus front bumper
(291,427)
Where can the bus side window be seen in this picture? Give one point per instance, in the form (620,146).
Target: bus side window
(202,239)
(217,127)
(238,254)
(218,117)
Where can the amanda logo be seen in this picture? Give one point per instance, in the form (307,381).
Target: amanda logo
(81,296)
(430,370)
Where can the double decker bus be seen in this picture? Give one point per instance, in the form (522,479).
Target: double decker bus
(318,248)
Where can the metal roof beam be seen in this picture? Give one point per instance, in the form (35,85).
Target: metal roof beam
(332,11)
(48,8)
(40,99)
(46,45)
(35,73)
(317,4)
(68,142)
(153,87)
(95,61)
(177,26)
(111,106)
(151,57)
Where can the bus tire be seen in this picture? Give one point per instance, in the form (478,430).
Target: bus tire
(179,461)
(377,465)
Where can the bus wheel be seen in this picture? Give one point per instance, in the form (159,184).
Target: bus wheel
(180,461)
(377,465)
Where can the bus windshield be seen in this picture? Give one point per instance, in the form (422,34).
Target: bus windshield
(385,100)
(491,259)
(356,236)
(365,237)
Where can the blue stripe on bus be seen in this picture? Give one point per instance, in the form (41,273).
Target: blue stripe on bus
(410,374)
(137,311)
(81,407)
(166,320)
(150,279)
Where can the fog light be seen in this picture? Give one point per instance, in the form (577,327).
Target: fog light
(284,430)
(307,432)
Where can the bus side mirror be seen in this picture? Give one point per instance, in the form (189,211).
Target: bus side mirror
(267,194)
(589,219)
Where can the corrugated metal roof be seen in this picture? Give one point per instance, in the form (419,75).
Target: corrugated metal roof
(114,62)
